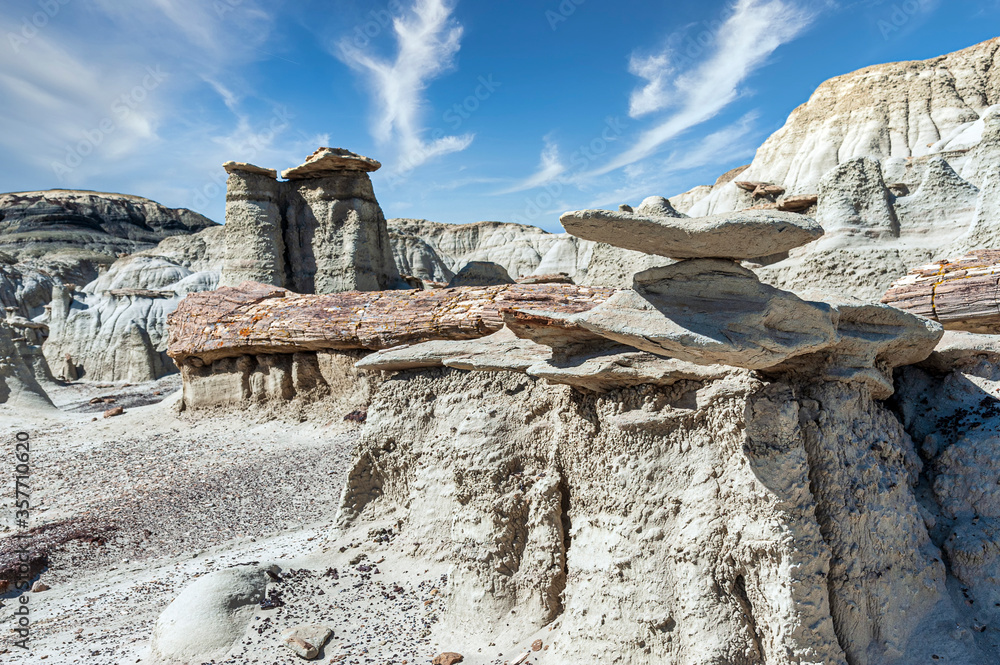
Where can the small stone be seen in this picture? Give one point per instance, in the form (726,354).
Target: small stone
(117,411)
(301,647)
(448,658)
(536,645)
(307,639)
(39,586)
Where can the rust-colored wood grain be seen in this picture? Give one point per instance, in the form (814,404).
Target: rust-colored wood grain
(959,293)
(259,319)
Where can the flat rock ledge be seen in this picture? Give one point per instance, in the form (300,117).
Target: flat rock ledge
(740,235)
(326,160)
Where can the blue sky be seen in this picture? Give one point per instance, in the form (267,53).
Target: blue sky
(513,110)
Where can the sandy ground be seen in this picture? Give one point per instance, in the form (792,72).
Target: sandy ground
(163,497)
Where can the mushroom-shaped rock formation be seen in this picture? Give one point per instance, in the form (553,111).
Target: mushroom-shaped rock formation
(320,231)
(740,235)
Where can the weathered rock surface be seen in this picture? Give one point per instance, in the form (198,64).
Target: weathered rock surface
(501,351)
(255,242)
(261,380)
(306,640)
(115,328)
(872,341)
(711,511)
(953,420)
(601,371)
(330,160)
(657,206)
(244,167)
(92,228)
(480,273)
(958,348)
(902,152)
(711,311)
(24,287)
(895,110)
(435,251)
(683,202)
(416,257)
(960,293)
(854,200)
(19,386)
(744,235)
(614,267)
(321,231)
(209,615)
(261,319)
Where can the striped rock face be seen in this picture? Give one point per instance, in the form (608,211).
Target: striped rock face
(960,293)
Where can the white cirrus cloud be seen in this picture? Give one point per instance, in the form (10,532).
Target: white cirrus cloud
(719,148)
(652,97)
(744,42)
(428,38)
(550,167)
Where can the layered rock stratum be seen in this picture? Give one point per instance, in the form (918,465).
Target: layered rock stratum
(94,228)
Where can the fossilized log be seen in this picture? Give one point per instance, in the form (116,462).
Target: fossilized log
(256,319)
(961,293)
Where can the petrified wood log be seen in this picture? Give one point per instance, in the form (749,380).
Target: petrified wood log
(960,293)
(255,318)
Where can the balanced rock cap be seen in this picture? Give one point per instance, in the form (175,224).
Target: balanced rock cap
(243,167)
(327,160)
(748,234)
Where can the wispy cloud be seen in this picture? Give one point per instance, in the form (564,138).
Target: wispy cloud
(733,142)
(428,40)
(743,43)
(653,96)
(60,108)
(550,167)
